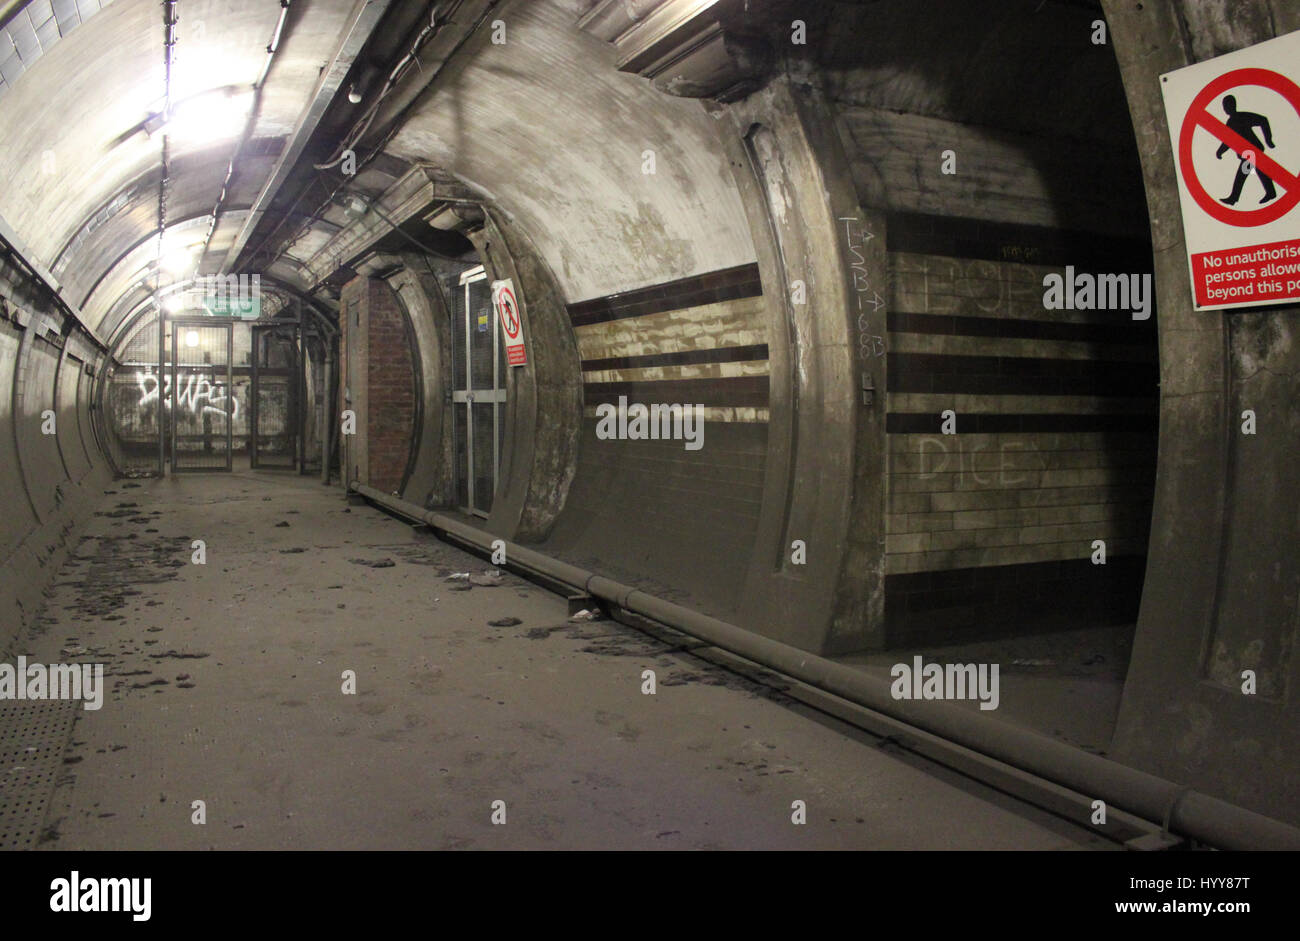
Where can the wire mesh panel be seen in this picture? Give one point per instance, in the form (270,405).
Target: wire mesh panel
(311,412)
(479,391)
(501,431)
(273,431)
(481,337)
(202,397)
(457,294)
(133,399)
(484,429)
(460,430)
(483,374)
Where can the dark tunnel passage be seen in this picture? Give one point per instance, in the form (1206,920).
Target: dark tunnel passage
(798,345)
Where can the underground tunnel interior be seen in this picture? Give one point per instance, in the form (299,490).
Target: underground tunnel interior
(726,319)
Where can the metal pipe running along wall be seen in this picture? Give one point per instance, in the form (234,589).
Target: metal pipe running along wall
(1182,811)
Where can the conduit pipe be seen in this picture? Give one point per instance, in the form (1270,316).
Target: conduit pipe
(253,113)
(1181,810)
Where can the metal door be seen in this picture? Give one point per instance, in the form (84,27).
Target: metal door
(479,395)
(275,401)
(201,396)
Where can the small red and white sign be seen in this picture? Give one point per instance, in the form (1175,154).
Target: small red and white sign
(512,327)
(1234,123)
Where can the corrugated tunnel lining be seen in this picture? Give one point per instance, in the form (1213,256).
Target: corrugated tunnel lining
(33,736)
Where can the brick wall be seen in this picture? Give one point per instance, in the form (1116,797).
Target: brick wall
(991,530)
(379,370)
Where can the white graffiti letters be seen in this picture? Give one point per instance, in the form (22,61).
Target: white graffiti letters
(198,392)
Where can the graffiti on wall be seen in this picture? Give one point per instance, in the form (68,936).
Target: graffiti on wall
(196,392)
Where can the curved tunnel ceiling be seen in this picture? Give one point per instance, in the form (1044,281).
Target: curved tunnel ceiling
(543,127)
(582,132)
(82,172)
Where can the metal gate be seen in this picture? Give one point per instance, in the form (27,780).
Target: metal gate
(275,403)
(202,398)
(131,403)
(479,395)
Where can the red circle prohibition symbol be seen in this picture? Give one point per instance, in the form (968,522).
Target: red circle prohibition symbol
(1199,116)
(509,315)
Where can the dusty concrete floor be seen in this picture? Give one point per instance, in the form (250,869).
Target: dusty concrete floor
(226,688)
(1066,684)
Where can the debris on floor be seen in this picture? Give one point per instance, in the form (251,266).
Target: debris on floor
(384,563)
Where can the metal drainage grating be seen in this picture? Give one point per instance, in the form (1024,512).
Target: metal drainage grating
(33,735)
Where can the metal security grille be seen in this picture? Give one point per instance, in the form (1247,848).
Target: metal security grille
(203,401)
(33,736)
(479,395)
(273,435)
(131,402)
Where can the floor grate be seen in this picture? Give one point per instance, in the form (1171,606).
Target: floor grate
(33,735)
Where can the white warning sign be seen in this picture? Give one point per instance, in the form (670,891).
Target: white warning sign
(512,328)
(1234,123)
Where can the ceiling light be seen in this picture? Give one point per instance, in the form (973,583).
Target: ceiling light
(354,205)
(192,338)
(178,261)
(209,117)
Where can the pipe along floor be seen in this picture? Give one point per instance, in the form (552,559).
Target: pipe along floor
(225,684)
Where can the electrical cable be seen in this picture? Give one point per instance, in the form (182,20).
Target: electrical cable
(431,29)
(385,138)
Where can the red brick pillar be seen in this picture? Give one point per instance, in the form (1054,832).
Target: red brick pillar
(378,373)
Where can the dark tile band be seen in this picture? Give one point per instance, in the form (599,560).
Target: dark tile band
(1123,331)
(920,423)
(1014,243)
(1017,375)
(742,391)
(710,288)
(722,354)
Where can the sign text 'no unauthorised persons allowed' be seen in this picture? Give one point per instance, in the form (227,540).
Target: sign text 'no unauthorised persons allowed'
(1240,215)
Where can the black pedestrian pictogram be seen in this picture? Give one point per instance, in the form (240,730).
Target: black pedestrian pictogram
(1244,124)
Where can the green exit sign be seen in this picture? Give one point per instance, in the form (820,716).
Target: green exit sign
(249,308)
(232,295)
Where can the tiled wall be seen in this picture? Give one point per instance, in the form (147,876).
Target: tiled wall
(635,505)
(991,530)
(37,27)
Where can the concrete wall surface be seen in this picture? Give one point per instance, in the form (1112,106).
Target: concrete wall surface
(51,467)
(1221,591)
